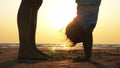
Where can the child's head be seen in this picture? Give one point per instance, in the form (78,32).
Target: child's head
(74,32)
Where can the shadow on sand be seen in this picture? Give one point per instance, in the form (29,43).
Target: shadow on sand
(14,63)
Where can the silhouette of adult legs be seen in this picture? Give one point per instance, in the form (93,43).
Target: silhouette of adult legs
(27,20)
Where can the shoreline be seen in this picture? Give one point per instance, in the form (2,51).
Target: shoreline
(62,46)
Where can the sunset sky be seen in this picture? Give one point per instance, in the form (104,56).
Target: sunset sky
(54,15)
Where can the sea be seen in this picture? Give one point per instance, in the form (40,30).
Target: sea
(63,46)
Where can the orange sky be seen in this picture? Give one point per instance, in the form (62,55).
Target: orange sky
(59,12)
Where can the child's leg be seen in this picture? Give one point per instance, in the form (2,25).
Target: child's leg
(88,42)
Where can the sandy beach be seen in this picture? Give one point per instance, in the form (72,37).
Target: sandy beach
(101,58)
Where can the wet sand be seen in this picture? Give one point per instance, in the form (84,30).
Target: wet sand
(101,58)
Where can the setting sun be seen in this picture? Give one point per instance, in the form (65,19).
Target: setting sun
(60,15)
(56,14)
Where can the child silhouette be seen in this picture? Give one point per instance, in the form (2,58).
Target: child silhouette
(81,28)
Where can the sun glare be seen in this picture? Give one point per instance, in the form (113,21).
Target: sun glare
(61,12)
(59,47)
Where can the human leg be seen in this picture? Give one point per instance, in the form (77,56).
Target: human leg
(35,9)
(27,28)
(24,18)
(33,22)
(88,42)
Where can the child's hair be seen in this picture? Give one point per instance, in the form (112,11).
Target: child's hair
(74,32)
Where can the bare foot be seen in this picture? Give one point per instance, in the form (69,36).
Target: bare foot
(32,55)
(41,53)
(81,59)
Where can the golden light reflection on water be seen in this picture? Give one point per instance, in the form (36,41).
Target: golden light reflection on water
(61,47)
(53,49)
